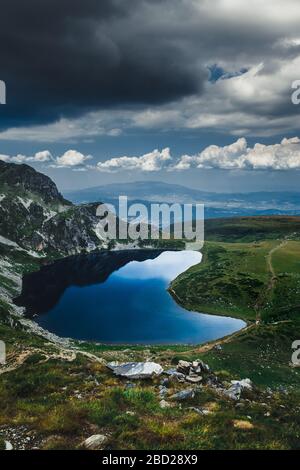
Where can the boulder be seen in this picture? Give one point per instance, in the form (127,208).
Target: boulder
(237,387)
(244,383)
(95,442)
(184,367)
(184,395)
(192,368)
(201,365)
(173,373)
(135,370)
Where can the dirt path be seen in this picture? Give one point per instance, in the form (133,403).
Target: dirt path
(270,264)
(18,357)
(270,286)
(269,257)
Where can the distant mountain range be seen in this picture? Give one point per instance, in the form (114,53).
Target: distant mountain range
(216,204)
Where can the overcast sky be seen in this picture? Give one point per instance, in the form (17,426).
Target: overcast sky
(196,92)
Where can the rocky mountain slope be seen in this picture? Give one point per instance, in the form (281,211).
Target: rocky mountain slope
(34,215)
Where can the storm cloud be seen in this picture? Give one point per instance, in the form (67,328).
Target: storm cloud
(65,57)
(90,68)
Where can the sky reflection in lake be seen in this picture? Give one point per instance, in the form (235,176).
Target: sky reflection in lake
(133,306)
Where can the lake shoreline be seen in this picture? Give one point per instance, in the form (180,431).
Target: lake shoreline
(83,270)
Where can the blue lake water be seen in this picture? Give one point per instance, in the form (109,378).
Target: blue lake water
(133,306)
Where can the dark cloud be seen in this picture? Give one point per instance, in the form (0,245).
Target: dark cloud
(67,57)
(64,57)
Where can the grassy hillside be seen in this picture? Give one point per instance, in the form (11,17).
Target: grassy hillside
(254,277)
(249,229)
(258,281)
(228,281)
(58,395)
(252,281)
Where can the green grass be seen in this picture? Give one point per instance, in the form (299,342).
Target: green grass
(263,354)
(287,258)
(44,397)
(228,281)
(249,229)
(233,279)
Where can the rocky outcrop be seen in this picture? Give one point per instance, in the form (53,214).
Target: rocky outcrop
(24,178)
(35,216)
(238,387)
(72,231)
(192,372)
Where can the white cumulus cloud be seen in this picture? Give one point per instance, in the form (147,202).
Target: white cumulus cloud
(152,161)
(282,156)
(236,156)
(39,157)
(72,158)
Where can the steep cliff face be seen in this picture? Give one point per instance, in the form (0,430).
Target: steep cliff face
(72,231)
(24,178)
(35,216)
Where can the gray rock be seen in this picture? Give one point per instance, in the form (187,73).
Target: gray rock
(204,367)
(173,373)
(200,411)
(95,442)
(238,386)
(135,370)
(8,445)
(163,390)
(194,379)
(234,392)
(164,382)
(244,383)
(213,382)
(184,367)
(184,394)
